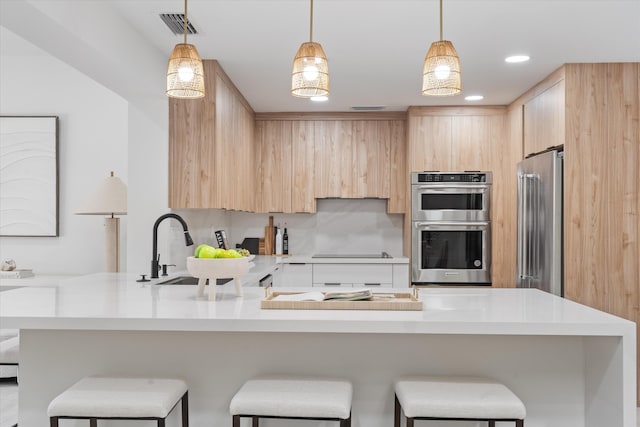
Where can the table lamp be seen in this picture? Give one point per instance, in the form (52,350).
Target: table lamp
(110,198)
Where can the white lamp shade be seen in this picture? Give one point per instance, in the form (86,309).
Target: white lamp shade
(110,198)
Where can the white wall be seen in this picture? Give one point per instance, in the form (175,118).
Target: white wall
(93,140)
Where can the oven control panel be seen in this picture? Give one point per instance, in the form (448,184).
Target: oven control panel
(450,177)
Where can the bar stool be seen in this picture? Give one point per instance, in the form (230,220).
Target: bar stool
(101,398)
(298,398)
(456,399)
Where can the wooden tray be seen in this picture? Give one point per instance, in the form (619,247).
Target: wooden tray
(401,301)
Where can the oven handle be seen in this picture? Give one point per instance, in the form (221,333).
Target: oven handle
(438,224)
(459,186)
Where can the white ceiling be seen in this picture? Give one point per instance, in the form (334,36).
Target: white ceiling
(376,47)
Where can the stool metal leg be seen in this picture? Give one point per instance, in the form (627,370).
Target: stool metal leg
(492,423)
(255,421)
(519,423)
(53,421)
(236,421)
(409,422)
(347,422)
(185,409)
(396,412)
(161,422)
(93,422)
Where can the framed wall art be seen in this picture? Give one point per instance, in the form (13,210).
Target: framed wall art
(29,176)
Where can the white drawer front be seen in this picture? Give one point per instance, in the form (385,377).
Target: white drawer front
(373,285)
(352,273)
(329,285)
(295,275)
(401,276)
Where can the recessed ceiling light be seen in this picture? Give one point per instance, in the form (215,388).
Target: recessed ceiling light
(473,97)
(516,58)
(319,98)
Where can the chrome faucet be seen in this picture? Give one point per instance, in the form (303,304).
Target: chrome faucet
(155,260)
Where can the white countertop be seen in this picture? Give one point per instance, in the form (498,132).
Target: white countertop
(115,301)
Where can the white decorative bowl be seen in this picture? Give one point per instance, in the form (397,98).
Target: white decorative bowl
(214,268)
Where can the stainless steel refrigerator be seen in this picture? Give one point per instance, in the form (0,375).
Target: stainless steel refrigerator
(540,258)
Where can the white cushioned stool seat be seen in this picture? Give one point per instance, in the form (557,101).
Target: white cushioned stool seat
(109,397)
(458,397)
(10,351)
(304,397)
(8,333)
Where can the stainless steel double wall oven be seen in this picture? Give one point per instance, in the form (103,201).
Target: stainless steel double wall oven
(451,228)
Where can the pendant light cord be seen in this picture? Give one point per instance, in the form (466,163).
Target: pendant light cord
(440,19)
(185,22)
(311,23)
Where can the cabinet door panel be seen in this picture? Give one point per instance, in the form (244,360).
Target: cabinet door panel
(399,176)
(544,120)
(295,275)
(275,165)
(352,273)
(303,173)
(430,147)
(326,159)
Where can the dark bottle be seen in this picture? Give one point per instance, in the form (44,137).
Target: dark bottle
(285,241)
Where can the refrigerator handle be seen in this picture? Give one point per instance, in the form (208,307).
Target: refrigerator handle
(521,223)
(535,222)
(529,240)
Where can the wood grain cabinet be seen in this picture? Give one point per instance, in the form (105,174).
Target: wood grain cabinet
(285,169)
(211,155)
(594,110)
(544,116)
(303,157)
(471,138)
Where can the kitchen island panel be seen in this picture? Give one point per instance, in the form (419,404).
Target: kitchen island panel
(547,373)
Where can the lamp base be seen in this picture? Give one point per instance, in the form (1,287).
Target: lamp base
(111,244)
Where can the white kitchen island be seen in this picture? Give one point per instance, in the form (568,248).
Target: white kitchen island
(571,365)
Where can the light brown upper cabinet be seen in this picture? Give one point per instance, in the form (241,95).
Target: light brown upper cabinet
(353,158)
(285,166)
(211,155)
(330,155)
(544,116)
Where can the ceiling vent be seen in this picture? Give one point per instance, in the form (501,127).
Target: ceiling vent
(175,22)
(368,107)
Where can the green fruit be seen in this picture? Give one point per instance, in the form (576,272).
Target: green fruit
(196,253)
(207,252)
(231,253)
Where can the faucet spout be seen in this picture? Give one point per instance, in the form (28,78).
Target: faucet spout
(155,257)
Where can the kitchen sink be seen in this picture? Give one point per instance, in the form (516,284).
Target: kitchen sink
(189,280)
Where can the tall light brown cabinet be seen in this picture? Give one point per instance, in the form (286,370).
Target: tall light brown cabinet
(593,110)
(472,138)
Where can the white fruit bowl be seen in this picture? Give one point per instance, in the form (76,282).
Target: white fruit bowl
(215,268)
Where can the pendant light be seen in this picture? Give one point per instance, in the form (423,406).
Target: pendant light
(185,73)
(310,75)
(441,71)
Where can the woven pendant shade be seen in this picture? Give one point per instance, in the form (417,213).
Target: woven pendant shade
(441,72)
(185,73)
(310,75)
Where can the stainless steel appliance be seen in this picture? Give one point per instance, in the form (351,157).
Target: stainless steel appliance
(450,196)
(451,228)
(540,257)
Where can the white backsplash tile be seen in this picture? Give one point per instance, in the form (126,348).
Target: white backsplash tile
(345,226)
